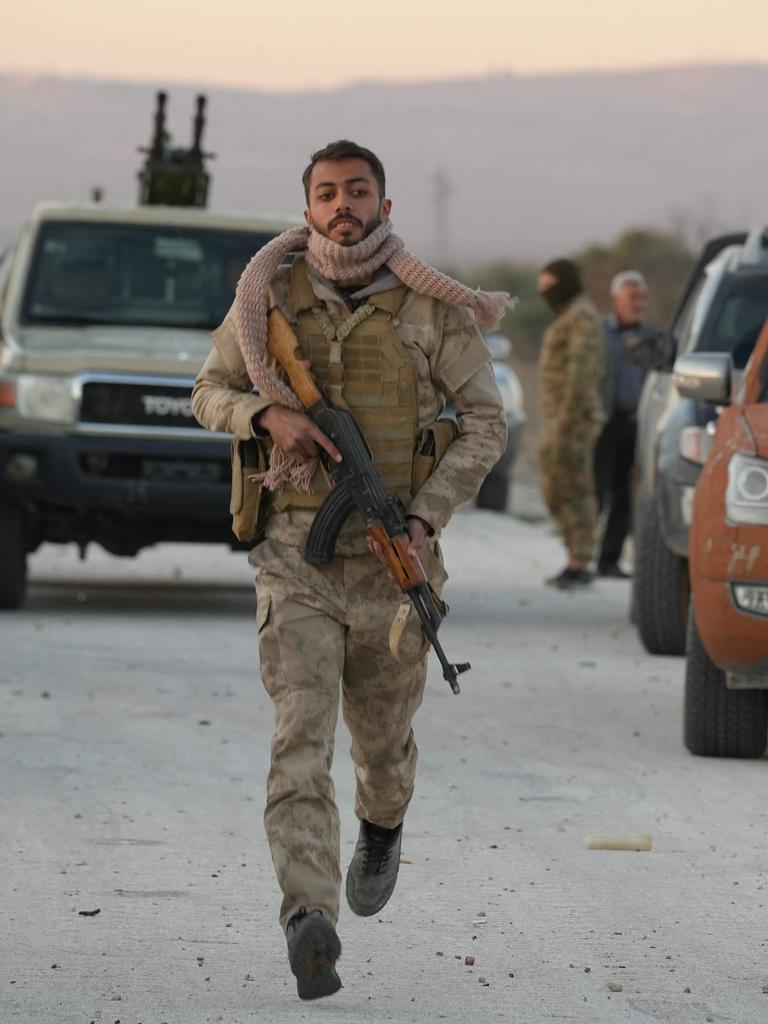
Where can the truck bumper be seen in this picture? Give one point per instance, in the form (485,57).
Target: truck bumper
(76,485)
(735,640)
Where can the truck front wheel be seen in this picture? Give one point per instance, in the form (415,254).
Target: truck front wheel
(660,587)
(720,722)
(13,556)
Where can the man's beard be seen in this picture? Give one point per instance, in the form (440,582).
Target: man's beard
(368,228)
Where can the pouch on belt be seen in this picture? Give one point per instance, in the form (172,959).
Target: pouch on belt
(249,499)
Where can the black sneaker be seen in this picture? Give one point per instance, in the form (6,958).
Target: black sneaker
(372,872)
(570,579)
(313,949)
(612,570)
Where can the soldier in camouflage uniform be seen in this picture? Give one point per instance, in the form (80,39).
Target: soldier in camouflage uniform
(324,631)
(570,369)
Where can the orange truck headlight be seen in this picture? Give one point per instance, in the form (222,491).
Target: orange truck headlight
(746,497)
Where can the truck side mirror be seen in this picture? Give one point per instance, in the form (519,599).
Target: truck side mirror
(704,376)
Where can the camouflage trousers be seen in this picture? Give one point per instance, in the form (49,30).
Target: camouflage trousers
(324,637)
(567,480)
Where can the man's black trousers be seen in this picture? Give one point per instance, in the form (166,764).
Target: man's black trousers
(614,458)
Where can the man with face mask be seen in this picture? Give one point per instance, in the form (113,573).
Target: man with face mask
(392,340)
(570,368)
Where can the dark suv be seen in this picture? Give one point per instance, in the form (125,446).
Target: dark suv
(723,309)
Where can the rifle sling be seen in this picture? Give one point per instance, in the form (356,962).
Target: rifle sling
(404,612)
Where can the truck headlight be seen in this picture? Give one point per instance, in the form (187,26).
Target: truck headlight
(45,398)
(746,498)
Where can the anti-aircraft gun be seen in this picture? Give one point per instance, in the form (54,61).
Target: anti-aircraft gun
(172,176)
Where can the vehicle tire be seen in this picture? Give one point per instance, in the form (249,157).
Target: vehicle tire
(13,556)
(720,722)
(494,493)
(660,588)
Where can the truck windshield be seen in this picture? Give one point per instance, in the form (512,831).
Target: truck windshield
(135,274)
(736,318)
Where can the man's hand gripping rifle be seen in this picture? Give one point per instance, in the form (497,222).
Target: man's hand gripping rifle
(358,487)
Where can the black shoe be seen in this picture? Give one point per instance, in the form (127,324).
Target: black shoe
(613,571)
(313,949)
(569,579)
(372,872)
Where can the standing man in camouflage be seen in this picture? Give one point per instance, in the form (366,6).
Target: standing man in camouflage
(570,368)
(392,340)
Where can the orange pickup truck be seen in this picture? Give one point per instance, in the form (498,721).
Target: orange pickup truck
(726,683)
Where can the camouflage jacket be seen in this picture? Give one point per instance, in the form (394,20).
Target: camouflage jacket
(452,364)
(571,367)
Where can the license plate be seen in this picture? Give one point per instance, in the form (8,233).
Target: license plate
(169,471)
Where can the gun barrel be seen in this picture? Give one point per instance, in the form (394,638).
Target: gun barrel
(158,138)
(198,126)
(430,620)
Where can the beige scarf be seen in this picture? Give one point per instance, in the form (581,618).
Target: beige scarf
(346,266)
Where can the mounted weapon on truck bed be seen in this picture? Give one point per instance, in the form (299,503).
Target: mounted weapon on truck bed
(172,176)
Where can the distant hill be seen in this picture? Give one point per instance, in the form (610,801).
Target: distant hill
(536,166)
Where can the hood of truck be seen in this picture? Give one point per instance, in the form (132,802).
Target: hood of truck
(166,350)
(757,417)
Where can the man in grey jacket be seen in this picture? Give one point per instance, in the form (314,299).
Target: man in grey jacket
(615,448)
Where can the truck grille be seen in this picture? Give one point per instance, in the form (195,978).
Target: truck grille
(151,405)
(124,466)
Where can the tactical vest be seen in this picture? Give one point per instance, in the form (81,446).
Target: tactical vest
(361,365)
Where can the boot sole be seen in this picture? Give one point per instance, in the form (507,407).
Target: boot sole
(313,960)
(365,910)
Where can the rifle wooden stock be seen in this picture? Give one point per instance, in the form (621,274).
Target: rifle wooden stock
(283,344)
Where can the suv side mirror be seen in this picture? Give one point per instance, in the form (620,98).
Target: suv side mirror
(704,376)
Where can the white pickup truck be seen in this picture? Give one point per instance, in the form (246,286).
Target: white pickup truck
(105,320)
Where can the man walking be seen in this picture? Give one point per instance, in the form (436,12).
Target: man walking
(392,340)
(570,366)
(615,448)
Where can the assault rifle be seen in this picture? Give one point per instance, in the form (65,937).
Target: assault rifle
(358,487)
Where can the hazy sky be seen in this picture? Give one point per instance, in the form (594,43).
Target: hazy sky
(308,43)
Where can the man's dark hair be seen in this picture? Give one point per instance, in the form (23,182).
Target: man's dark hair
(342,149)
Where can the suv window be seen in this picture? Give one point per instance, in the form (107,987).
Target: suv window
(684,326)
(135,274)
(736,317)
